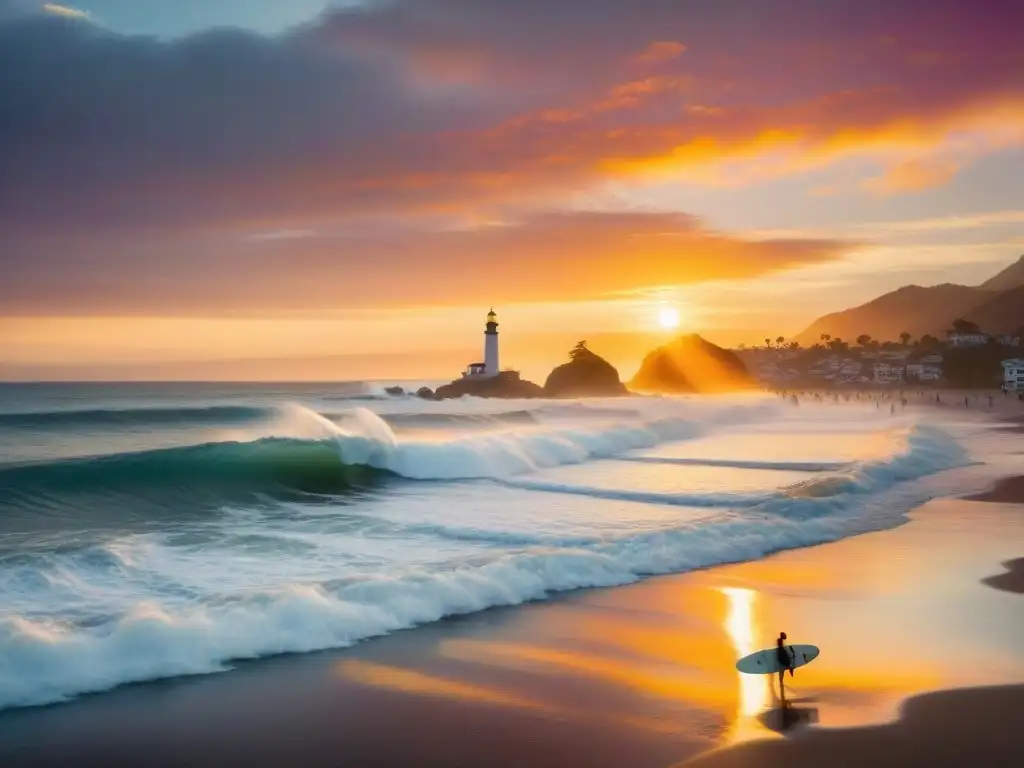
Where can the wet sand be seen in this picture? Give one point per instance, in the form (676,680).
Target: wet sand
(635,676)
(972,727)
(1009,490)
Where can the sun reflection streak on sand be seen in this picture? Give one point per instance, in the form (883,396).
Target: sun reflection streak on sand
(742,627)
(421,683)
(418,683)
(656,680)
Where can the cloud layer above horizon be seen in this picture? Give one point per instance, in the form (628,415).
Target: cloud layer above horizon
(425,151)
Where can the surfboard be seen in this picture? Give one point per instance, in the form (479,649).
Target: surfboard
(765,662)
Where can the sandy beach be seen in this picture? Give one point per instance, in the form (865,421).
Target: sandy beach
(922,663)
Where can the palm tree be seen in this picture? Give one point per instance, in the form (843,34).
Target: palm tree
(768,343)
(778,341)
(905,338)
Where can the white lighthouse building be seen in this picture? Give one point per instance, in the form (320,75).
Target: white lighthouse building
(490,366)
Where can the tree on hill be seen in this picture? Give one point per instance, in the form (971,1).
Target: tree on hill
(768,343)
(905,338)
(581,350)
(826,337)
(779,341)
(587,374)
(962,326)
(929,342)
(864,340)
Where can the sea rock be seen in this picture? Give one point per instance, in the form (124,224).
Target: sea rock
(507,384)
(394,391)
(426,393)
(691,364)
(585,375)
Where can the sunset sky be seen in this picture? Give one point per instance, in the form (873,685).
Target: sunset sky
(289,190)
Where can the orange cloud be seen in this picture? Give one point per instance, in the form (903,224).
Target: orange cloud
(447,105)
(746,145)
(551,256)
(913,176)
(664,50)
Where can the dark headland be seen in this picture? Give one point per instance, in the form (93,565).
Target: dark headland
(685,366)
(691,364)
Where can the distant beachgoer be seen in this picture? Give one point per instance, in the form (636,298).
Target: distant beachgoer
(967,402)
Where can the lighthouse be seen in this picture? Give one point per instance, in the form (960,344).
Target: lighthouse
(491,345)
(489,367)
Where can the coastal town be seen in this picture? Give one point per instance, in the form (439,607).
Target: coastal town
(966,357)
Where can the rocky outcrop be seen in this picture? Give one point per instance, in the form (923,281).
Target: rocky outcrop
(426,393)
(691,364)
(585,375)
(507,384)
(394,391)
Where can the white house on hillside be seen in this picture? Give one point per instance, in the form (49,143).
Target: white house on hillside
(967,339)
(924,372)
(1013,374)
(888,374)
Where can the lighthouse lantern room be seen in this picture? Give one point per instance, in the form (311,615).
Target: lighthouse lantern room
(489,367)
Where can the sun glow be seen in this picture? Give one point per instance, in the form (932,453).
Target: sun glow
(668,318)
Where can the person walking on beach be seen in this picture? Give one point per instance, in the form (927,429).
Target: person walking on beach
(786,658)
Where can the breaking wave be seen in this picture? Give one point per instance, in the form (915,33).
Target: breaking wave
(321,456)
(47,658)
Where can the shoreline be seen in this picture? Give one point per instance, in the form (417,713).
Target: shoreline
(634,675)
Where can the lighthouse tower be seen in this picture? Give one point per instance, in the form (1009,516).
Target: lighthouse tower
(491,345)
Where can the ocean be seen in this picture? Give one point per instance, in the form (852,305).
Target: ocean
(155,530)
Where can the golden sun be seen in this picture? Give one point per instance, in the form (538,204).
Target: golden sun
(668,317)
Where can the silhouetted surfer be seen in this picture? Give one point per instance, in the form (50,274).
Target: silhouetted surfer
(786,658)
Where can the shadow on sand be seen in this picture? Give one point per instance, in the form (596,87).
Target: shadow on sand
(783,717)
(1012,580)
(949,729)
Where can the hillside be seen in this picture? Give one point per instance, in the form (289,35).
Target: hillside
(914,309)
(1009,278)
(919,310)
(1002,314)
(691,364)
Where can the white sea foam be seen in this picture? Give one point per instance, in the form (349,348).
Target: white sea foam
(364,438)
(46,658)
